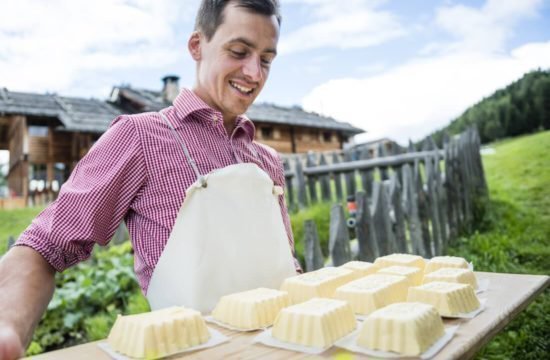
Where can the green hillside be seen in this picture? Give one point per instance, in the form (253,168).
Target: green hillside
(520,108)
(515,238)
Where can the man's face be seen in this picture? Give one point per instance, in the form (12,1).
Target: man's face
(233,66)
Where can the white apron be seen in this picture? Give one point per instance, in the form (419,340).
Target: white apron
(228,236)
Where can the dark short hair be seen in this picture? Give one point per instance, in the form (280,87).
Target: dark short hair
(210,15)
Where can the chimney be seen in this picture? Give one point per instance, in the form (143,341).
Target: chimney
(170,88)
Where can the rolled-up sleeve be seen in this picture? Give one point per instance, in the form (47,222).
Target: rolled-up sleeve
(93,201)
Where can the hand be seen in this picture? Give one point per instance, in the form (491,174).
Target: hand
(10,344)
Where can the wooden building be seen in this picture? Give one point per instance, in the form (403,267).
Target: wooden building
(47,134)
(287,129)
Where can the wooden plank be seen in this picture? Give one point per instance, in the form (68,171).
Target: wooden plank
(410,199)
(398,214)
(312,179)
(507,296)
(384,168)
(338,166)
(350,177)
(364,229)
(325,181)
(302,195)
(337,179)
(381,219)
(423,211)
(289,188)
(339,246)
(312,248)
(366,175)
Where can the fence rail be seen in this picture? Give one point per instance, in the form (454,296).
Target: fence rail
(416,202)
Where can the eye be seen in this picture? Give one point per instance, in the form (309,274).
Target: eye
(266,61)
(239,54)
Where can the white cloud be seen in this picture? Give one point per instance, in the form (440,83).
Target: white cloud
(485,29)
(342,25)
(414,99)
(46,46)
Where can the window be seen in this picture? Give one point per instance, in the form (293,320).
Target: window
(38,131)
(267,133)
(327,136)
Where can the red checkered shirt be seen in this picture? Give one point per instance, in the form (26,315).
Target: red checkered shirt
(137,171)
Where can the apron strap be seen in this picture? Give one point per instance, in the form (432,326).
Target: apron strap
(201,179)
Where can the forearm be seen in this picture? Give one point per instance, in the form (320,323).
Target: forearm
(27,283)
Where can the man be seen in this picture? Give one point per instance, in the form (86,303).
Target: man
(203,203)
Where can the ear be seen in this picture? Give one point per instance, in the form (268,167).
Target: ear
(194,45)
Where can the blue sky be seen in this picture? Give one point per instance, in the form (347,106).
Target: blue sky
(399,69)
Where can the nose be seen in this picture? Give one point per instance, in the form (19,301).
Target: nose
(252,68)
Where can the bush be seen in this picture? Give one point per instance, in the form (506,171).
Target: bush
(88,298)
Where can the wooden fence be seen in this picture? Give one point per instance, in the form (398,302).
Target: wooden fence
(415,202)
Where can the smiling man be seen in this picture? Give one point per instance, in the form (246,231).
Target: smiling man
(203,202)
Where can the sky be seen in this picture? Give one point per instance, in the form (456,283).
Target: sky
(397,69)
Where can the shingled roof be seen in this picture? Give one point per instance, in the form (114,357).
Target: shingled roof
(259,113)
(76,114)
(92,115)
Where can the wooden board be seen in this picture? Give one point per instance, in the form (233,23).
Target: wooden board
(508,295)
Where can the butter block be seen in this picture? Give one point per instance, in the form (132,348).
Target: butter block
(400,260)
(318,283)
(438,262)
(405,328)
(456,275)
(252,309)
(373,292)
(360,268)
(317,322)
(158,333)
(449,299)
(413,274)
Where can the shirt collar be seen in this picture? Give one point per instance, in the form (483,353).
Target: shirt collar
(187,103)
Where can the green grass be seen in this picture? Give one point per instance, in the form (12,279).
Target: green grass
(13,222)
(514,237)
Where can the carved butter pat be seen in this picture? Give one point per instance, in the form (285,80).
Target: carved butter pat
(413,274)
(373,292)
(456,275)
(158,333)
(252,309)
(449,299)
(405,328)
(360,268)
(400,260)
(318,283)
(317,322)
(438,262)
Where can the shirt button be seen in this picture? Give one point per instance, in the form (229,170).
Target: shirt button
(214,118)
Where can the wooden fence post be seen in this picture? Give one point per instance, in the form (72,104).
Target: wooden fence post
(325,181)
(383,169)
(312,248)
(364,229)
(433,199)
(289,188)
(302,196)
(337,179)
(366,175)
(339,246)
(423,210)
(381,220)
(397,210)
(350,177)
(411,205)
(311,179)
(449,184)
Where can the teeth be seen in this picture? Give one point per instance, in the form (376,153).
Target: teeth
(241,88)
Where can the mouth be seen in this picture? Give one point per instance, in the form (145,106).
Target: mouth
(247,91)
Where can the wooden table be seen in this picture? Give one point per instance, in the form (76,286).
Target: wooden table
(508,294)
